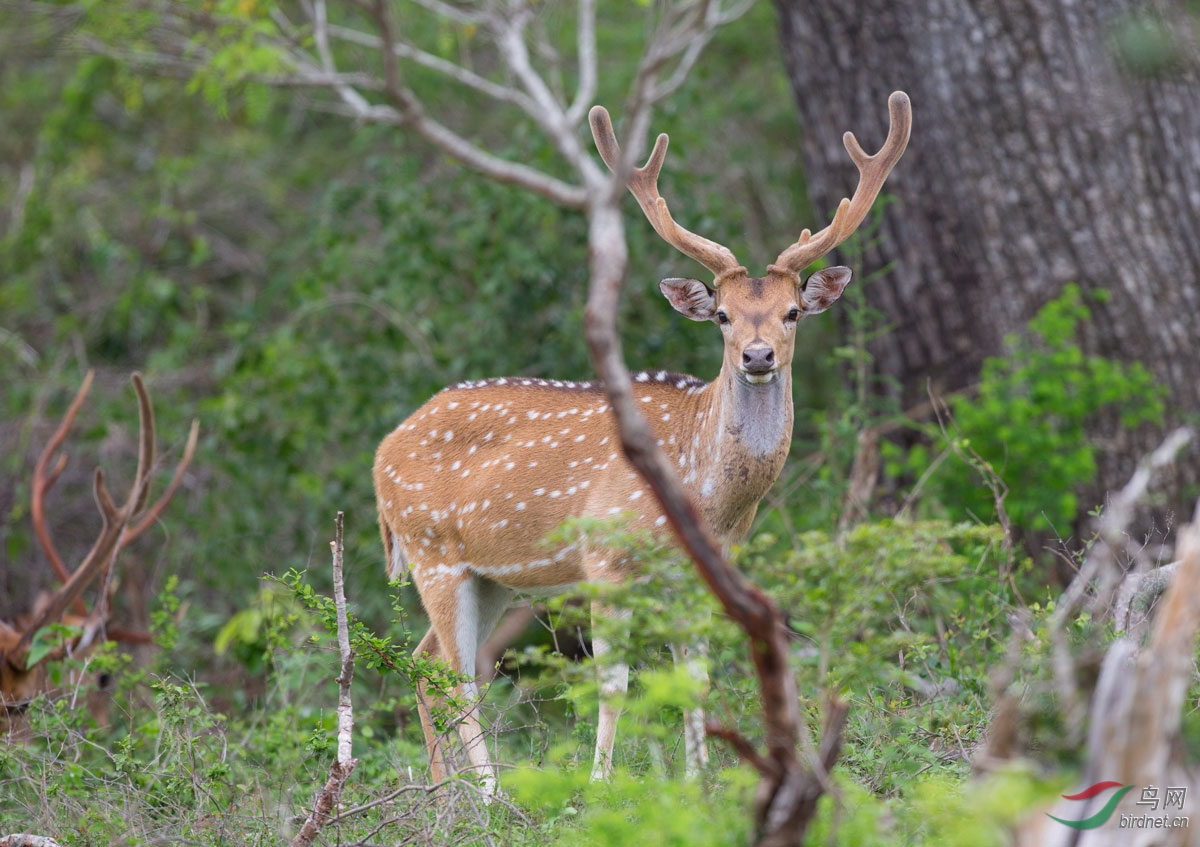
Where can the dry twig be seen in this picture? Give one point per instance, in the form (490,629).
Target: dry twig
(331,794)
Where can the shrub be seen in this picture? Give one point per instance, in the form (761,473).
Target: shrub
(1026,423)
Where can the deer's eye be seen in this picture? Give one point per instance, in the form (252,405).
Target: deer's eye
(793,315)
(722,318)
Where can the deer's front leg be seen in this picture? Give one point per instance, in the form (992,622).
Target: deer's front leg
(694,658)
(614,682)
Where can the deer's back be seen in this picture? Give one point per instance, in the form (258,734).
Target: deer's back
(478,476)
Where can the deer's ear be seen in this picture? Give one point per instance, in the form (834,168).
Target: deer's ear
(690,297)
(823,289)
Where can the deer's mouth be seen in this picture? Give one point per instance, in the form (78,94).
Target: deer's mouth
(760,378)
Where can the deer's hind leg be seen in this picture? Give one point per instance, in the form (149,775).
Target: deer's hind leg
(463,608)
(398,566)
(614,683)
(426,702)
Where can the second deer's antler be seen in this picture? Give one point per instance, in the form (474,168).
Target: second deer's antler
(118,528)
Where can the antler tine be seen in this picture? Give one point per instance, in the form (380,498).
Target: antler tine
(151,515)
(140,490)
(643,184)
(43,481)
(102,552)
(872,171)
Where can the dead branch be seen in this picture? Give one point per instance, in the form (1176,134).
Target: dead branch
(679,32)
(788,791)
(1136,714)
(22,839)
(1100,573)
(330,795)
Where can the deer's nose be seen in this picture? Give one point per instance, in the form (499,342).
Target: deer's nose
(758,360)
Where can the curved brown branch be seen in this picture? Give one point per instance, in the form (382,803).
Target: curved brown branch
(742,746)
(788,791)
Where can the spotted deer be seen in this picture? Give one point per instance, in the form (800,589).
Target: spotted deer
(26,672)
(469,486)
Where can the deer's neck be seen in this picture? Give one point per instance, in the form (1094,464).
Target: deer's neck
(758,418)
(747,432)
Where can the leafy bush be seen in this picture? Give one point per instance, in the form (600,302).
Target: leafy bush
(1025,423)
(904,619)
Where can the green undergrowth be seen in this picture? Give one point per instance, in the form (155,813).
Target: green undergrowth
(903,620)
(1023,430)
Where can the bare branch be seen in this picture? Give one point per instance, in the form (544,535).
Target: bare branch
(410,112)
(348,93)
(586,48)
(330,795)
(742,746)
(302,78)
(549,114)
(788,797)
(1101,566)
(458,73)
(450,12)
(345,707)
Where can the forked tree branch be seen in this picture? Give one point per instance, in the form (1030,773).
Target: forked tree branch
(676,41)
(787,790)
(401,50)
(411,113)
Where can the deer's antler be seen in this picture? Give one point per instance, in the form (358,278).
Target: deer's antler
(643,184)
(44,479)
(116,531)
(872,170)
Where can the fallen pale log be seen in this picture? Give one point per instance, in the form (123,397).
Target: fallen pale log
(22,839)
(1134,736)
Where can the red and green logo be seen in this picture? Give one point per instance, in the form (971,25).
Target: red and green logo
(1088,793)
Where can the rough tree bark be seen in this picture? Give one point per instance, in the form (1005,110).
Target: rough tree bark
(1043,158)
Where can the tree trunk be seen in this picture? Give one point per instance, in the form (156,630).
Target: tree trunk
(1040,155)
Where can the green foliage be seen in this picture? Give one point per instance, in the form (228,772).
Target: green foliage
(943,811)
(1024,425)
(903,618)
(1146,42)
(256,632)
(48,639)
(632,809)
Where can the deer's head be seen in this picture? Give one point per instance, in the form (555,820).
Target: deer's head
(758,315)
